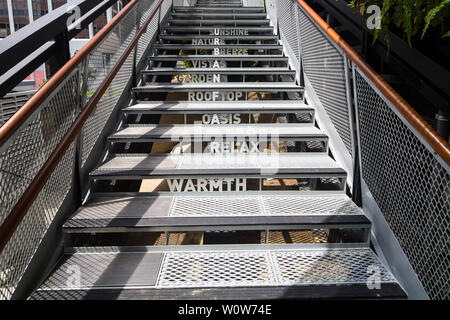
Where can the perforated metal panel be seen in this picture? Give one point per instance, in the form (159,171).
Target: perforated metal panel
(25,153)
(21,248)
(325,68)
(101,61)
(269,268)
(287,21)
(409,185)
(327,266)
(285,205)
(152,28)
(223,206)
(214,269)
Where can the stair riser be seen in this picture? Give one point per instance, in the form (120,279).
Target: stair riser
(232,16)
(261,72)
(218,31)
(240,22)
(218,9)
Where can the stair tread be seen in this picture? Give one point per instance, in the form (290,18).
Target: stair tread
(197,8)
(204,132)
(207,36)
(242,22)
(235,57)
(221,14)
(203,209)
(157,272)
(220,46)
(270,71)
(221,106)
(224,164)
(197,28)
(221,86)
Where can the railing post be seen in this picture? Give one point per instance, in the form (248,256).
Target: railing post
(134,71)
(357,169)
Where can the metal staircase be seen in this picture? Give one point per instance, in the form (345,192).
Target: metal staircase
(245,160)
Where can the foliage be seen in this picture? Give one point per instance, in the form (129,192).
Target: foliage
(414,18)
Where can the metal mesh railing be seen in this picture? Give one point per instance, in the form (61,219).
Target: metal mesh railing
(25,153)
(408,180)
(19,164)
(409,184)
(324,65)
(289,29)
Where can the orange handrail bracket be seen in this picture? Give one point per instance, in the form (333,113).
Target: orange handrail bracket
(437,143)
(13,220)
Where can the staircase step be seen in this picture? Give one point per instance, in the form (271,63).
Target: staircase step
(224,71)
(168,46)
(210,57)
(197,211)
(137,166)
(237,22)
(219,272)
(189,37)
(209,9)
(201,107)
(208,15)
(221,87)
(197,29)
(205,133)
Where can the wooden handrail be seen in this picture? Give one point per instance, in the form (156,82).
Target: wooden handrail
(437,143)
(21,208)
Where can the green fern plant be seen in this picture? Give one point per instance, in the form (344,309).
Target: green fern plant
(415,18)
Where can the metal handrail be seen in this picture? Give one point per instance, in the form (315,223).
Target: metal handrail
(436,142)
(19,211)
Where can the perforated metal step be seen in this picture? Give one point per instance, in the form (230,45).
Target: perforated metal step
(237,22)
(127,166)
(221,87)
(199,132)
(236,57)
(224,29)
(209,15)
(168,46)
(218,211)
(201,107)
(220,272)
(224,71)
(209,9)
(189,37)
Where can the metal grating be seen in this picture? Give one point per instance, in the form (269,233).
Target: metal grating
(150,34)
(287,16)
(268,268)
(216,206)
(285,205)
(28,151)
(24,154)
(321,267)
(21,248)
(101,61)
(216,269)
(409,185)
(325,68)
